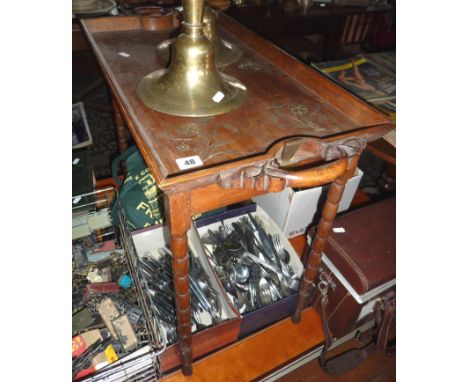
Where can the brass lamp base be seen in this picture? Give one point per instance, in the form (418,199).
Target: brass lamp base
(226,53)
(157,91)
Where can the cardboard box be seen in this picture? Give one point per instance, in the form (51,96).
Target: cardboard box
(294,210)
(147,241)
(266,315)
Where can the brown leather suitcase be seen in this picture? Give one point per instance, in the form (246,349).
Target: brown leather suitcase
(357,279)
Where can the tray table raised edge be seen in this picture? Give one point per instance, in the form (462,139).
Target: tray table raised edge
(287,102)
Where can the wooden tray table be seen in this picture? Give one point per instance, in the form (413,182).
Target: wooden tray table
(293,115)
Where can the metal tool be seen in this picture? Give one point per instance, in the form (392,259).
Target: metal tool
(84,360)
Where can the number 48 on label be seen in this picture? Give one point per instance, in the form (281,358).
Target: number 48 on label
(189,162)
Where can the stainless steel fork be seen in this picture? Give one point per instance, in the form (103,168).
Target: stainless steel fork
(285,268)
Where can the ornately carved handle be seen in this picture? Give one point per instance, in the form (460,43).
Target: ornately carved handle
(271,178)
(310,177)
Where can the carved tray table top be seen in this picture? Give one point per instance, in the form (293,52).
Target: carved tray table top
(285,98)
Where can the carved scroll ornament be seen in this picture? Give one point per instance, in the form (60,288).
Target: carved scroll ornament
(273,175)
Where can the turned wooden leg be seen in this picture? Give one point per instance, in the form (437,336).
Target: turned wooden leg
(119,127)
(329,211)
(178,217)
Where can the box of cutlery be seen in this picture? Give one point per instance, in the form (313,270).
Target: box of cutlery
(253,262)
(215,322)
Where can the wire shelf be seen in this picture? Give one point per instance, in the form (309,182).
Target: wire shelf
(157,336)
(142,364)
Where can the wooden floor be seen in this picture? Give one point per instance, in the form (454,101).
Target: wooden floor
(376,368)
(255,357)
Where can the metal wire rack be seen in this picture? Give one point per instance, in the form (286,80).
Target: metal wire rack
(140,366)
(157,337)
(143,364)
(87,206)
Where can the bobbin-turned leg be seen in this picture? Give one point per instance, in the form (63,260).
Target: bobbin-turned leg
(119,124)
(179,220)
(330,209)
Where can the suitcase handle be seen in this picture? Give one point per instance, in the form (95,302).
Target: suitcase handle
(273,175)
(388,312)
(350,359)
